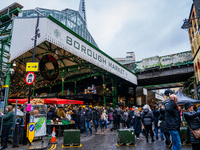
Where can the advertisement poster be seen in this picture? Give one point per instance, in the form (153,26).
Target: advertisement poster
(40,126)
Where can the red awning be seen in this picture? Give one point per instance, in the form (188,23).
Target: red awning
(49,101)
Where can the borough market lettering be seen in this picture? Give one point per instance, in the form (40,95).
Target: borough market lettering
(92,54)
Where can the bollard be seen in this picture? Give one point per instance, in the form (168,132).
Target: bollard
(16,136)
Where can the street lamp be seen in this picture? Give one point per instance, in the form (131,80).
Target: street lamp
(187,24)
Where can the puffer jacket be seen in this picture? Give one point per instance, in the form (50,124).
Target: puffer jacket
(88,115)
(163,123)
(96,115)
(172,116)
(192,119)
(147,117)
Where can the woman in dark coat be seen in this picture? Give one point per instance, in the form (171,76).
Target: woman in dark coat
(137,123)
(164,128)
(81,118)
(192,118)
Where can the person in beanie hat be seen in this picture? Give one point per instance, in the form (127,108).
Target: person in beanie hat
(96,117)
(192,118)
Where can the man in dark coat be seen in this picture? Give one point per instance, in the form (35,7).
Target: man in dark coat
(74,115)
(156,114)
(81,120)
(50,116)
(96,117)
(88,120)
(117,116)
(173,121)
(147,119)
(163,127)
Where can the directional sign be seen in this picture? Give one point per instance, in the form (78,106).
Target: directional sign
(31,131)
(30,78)
(32,66)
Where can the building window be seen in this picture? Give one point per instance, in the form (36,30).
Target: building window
(195,68)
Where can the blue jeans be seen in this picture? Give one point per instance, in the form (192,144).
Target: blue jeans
(156,131)
(176,140)
(96,122)
(111,124)
(88,125)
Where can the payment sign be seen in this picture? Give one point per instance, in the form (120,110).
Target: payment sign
(32,66)
(31,131)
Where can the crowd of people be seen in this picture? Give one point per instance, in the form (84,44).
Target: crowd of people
(165,119)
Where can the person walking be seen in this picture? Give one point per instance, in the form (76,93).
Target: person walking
(102,123)
(96,117)
(105,116)
(81,120)
(88,120)
(131,116)
(117,116)
(105,111)
(173,121)
(147,119)
(137,123)
(74,116)
(164,128)
(110,117)
(156,115)
(192,118)
(125,119)
(7,123)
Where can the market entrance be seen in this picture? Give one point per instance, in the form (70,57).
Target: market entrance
(83,71)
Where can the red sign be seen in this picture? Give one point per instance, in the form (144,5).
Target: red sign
(30,78)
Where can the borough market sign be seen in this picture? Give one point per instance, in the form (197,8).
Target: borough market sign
(69,41)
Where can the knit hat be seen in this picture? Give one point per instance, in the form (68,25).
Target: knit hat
(136,108)
(188,105)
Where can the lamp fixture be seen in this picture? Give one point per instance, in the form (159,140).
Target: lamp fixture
(95,77)
(14,64)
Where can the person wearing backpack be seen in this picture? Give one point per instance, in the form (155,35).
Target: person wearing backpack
(117,116)
(125,119)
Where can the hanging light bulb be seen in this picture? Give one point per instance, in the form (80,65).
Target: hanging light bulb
(95,77)
(14,64)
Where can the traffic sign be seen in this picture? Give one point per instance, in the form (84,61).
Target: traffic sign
(4,86)
(30,78)
(31,131)
(32,66)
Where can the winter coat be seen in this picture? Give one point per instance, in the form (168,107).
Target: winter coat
(110,116)
(192,119)
(105,116)
(125,117)
(147,117)
(96,115)
(88,115)
(81,119)
(51,115)
(163,123)
(117,113)
(74,114)
(172,116)
(156,114)
(137,124)
(8,118)
(130,114)
(61,113)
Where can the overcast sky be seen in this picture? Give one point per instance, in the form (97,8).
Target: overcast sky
(146,27)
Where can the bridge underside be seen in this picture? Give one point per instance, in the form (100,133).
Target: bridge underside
(159,79)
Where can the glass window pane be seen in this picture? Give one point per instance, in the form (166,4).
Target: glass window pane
(30,13)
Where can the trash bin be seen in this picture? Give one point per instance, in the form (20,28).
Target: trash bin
(71,137)
(183,135)
(126,136)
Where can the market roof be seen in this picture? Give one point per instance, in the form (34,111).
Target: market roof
(77,59)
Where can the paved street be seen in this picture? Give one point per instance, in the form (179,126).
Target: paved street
(108,141)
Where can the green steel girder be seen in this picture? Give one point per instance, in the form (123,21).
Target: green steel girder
(14,11)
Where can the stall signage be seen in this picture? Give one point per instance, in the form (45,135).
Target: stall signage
(32,66)
(30,78)
(31,131)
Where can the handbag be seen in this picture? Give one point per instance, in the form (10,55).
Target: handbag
(196,133)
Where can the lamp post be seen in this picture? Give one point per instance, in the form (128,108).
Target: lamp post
(37,35)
